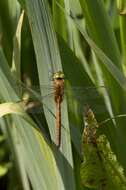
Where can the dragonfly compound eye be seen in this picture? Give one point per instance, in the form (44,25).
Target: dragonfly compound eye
(58,75)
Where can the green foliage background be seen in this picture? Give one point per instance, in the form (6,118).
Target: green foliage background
(86,39)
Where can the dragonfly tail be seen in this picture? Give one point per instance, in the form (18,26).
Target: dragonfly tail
(58,124)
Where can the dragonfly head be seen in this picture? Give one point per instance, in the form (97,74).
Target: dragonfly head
(58,75)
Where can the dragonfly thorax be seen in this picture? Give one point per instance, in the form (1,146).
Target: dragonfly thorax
(59,90)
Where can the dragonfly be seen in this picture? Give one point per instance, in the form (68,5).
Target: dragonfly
(99,164)
(58,81)
(58,91)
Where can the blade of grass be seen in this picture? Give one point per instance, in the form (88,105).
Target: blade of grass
(48,59)
(59,17)
(9,13)
(17,49)
(100,29)
(121,5)
(108,63)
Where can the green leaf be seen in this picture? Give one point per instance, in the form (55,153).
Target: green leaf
(16,65)
(14,108)
(9,13)
(48,60)
(59,17)
(100,28)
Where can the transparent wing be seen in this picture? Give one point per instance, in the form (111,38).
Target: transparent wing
(83,95)
(34,92)
(92,96)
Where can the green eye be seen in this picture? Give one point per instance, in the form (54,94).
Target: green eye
(58,75)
